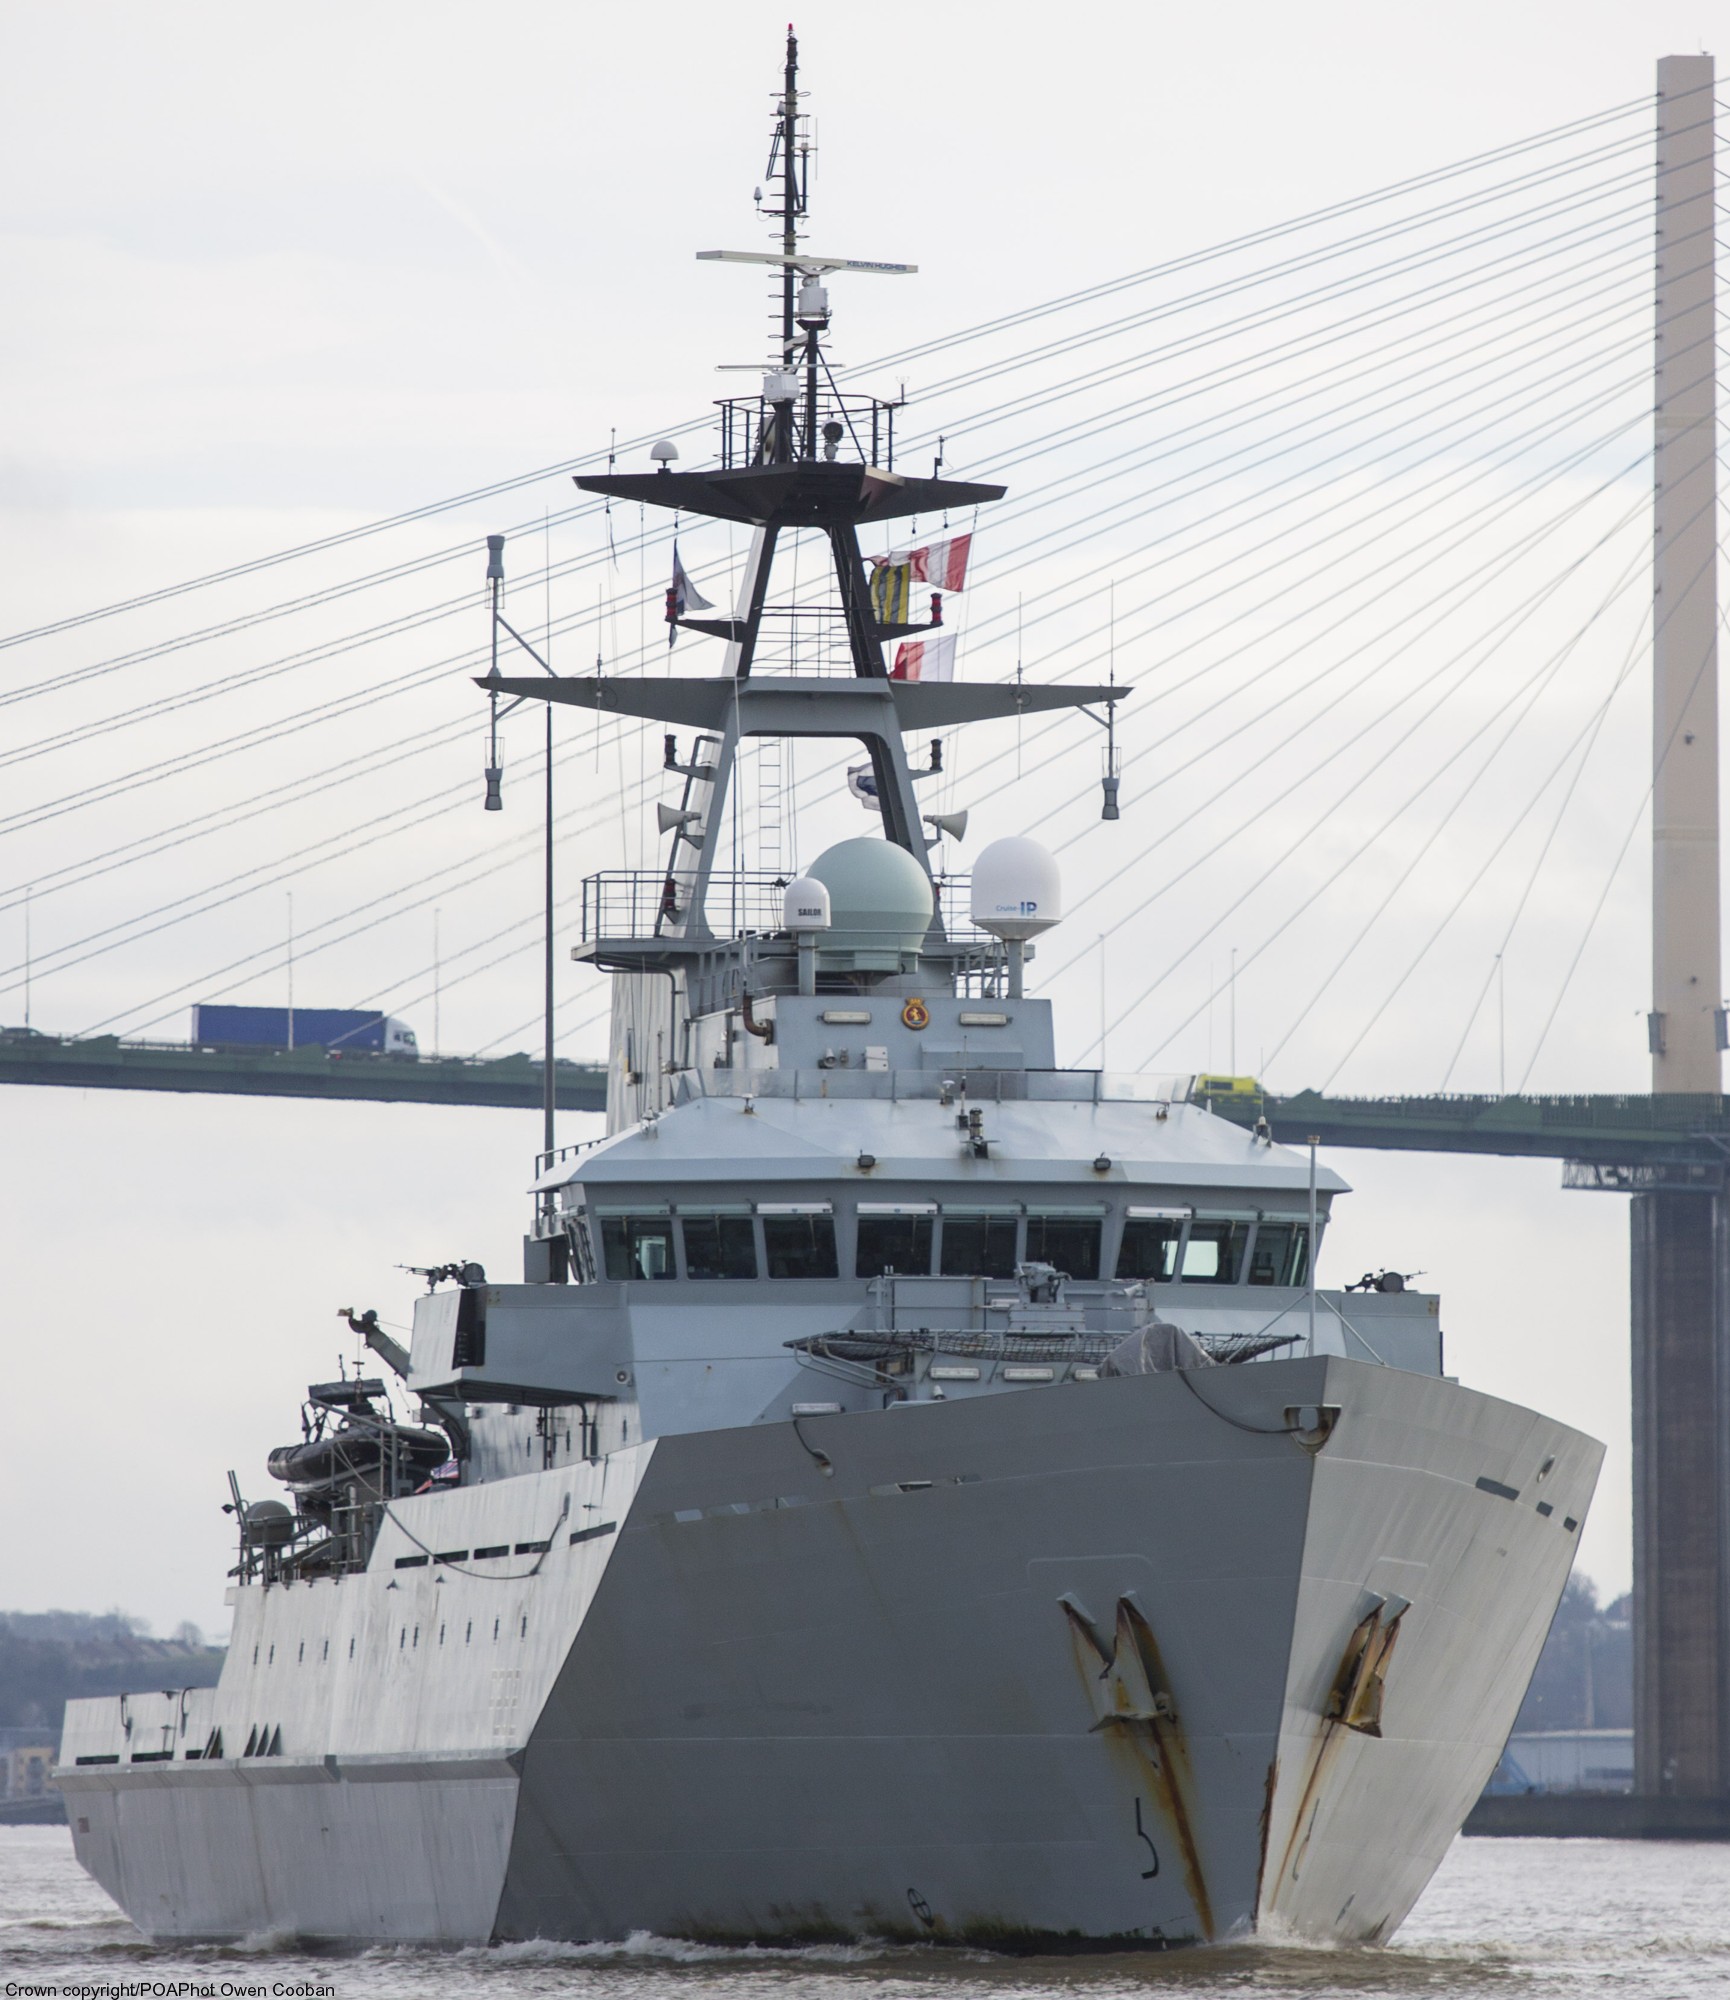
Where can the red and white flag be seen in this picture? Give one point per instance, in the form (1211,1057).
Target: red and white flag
(925,659)
(943,565)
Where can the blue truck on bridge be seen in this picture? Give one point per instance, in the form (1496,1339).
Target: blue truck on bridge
(344,1031)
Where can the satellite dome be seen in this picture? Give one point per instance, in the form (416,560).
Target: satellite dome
(879,897)
(267,1524)
(805,905)
(1016,889)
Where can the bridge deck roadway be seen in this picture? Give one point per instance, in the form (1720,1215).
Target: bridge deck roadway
(1634,1140)
(104,1062)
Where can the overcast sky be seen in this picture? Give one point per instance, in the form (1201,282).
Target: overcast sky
(274,273)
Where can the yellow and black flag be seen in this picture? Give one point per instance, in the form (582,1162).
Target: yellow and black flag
(892,593)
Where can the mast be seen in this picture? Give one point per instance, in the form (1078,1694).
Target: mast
(786,140)
(798,455)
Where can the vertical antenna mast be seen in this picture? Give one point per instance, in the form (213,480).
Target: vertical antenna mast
(784,152)
(792,200)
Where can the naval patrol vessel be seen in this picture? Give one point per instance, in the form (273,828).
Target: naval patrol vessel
(917,1490)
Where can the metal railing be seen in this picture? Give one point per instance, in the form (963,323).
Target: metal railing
(955,1082)
(645,902)
(860,427)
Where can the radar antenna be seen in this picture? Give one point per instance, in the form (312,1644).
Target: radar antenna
(786,147)
(804,296)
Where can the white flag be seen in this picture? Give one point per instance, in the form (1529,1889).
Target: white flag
(682,596)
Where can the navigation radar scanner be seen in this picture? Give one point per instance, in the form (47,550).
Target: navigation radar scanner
(880,905)
(805,912)
(1017,893)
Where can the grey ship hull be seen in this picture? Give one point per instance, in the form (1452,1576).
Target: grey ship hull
(804,1701)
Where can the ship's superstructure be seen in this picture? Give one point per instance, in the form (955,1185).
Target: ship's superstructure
(916,1490)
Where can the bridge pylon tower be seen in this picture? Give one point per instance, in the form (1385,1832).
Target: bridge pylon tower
(1680,1262)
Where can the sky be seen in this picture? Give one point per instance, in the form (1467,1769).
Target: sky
(272,275)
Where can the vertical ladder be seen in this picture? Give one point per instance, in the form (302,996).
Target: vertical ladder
(771,805)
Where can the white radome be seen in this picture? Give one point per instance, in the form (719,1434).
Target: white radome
(1017,891)
(805,905)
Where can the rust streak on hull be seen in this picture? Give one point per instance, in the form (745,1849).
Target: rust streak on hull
(1354,1702)
(1157,1754)
(1266,1826)
(1127,1684)
(1161,1748)
(1297,1839)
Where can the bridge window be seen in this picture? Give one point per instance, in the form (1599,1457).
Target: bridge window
(799,1241)
(895,1238)
(1279,1254)
(1067,1238)
(979,1242)
(1213,1252)
(1151,1237)
(719,1243)
(637,1243)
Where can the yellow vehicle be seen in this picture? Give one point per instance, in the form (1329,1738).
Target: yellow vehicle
(1237,1087)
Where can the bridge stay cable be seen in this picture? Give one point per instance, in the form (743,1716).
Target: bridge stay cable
(1626,109)
(1544,673)
(463,603)
(247,677)
(343,707)
(1424,554)
(345,851)
(1040,501)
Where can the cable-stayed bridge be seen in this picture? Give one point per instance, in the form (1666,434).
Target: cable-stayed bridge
(1360,505)
(1357,503)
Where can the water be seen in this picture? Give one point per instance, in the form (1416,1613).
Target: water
(1526,1918)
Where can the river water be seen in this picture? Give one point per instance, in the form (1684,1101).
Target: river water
(1525,1918)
